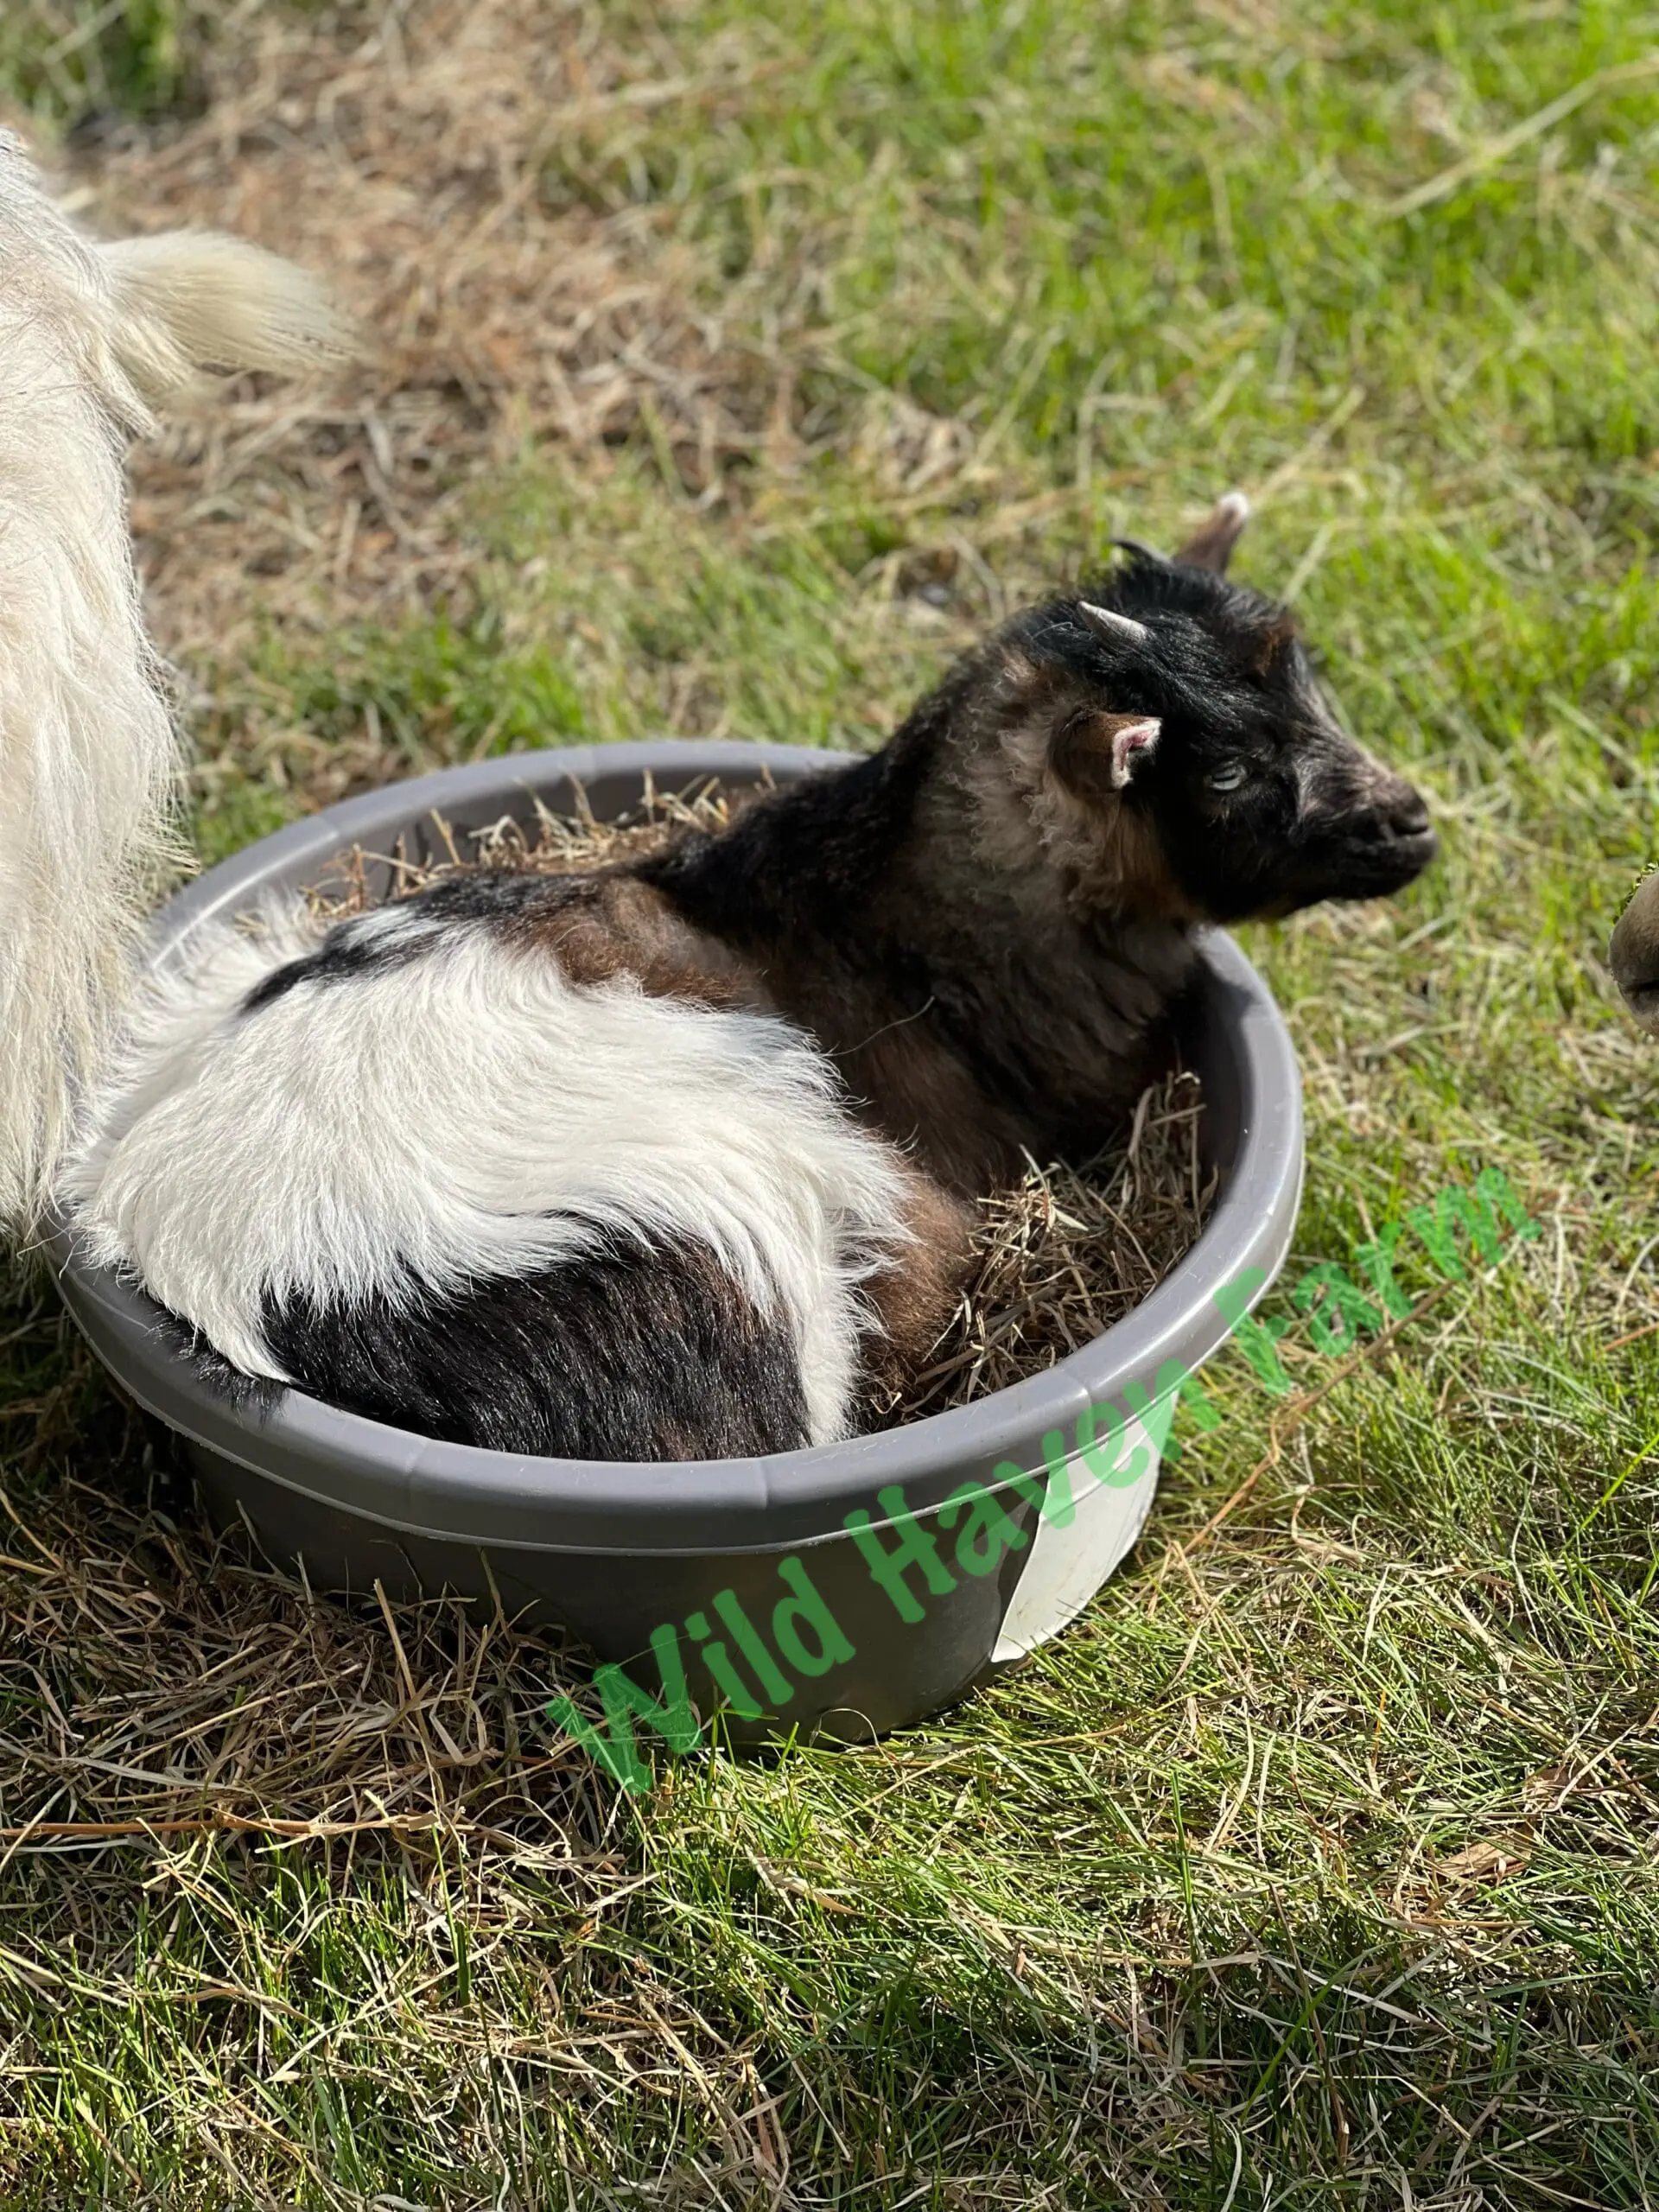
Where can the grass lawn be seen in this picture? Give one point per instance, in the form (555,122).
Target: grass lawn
(736,365)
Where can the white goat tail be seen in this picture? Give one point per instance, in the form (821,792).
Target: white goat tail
(192,297)
(92,337)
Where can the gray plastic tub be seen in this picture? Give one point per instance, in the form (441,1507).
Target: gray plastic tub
(698,1553)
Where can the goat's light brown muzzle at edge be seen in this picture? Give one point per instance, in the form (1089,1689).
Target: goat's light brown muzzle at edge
(1633,954)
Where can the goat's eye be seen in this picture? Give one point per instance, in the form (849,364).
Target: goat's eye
(1226,779)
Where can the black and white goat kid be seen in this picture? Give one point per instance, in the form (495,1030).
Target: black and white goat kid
(664,1160)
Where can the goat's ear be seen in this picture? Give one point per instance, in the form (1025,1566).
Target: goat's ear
(1212,547)
(1096,753)
(1271,647)
(1133,741)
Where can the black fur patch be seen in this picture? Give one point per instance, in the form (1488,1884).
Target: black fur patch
(621,1354)
(363,944)
(496,894)
(254,1394)
(348,951)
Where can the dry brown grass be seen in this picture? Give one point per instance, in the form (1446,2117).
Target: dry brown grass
(200,1692)
(401,151)
(200,1728)
(559,845)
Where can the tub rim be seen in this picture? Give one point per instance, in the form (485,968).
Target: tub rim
(461,1493)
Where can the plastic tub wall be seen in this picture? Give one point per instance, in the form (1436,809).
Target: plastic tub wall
(619,1552)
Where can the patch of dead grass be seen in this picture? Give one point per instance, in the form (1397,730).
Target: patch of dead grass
(401,153)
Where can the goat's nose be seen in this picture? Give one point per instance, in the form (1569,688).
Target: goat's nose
(1406,813)
(1396,807)
(1393,810)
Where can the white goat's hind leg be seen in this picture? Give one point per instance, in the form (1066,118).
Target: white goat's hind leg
(90,336)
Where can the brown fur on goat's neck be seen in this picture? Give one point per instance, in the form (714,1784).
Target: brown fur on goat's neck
(992,974)
(1055,853)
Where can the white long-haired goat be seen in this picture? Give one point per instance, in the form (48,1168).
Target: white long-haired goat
(92,337)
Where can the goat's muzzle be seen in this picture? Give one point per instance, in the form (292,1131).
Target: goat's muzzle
(1384,843)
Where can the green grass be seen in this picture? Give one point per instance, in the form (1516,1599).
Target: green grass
(66,59)
(1317,1864)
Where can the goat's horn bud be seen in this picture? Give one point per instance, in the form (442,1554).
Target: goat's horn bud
(1115,629)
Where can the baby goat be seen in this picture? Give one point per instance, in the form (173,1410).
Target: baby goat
(988,923)
(663,1159)
(90,336)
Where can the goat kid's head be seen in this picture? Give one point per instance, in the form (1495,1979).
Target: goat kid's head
(1170,729)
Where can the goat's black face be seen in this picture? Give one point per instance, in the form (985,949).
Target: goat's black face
(1189,703)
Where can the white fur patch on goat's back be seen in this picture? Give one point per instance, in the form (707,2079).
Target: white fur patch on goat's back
(453,1109)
